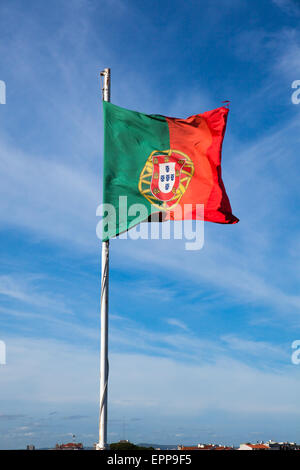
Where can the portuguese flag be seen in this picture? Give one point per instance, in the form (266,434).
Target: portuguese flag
(163,165)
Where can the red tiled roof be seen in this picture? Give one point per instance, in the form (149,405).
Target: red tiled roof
(189,448)
(69,445)
(258,446)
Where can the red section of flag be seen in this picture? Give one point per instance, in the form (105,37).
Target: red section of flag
(201,138)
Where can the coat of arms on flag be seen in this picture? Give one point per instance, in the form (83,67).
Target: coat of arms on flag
(165,178)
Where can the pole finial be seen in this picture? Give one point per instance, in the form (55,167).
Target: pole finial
(105,84)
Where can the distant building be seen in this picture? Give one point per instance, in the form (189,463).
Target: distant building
(269,445)
(69,446)
(249,446)
(204,447)
(283,446)
(198,447)
(30,447)
(223,448)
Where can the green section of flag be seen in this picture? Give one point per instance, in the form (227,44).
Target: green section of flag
(129,139)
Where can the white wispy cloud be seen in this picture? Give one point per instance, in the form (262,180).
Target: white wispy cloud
(261,349)
(178,323)
(187,346)
(26,290)
(289,6)
(53,200)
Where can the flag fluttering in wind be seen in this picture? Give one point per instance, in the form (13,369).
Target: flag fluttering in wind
(165,164)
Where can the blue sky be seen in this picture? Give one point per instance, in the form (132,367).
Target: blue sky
(200,342)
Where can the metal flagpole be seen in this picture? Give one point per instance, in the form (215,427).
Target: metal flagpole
(102,444)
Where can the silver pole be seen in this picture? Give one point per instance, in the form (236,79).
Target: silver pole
(102,444)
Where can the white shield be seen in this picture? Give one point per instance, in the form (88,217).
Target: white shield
(166,177)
